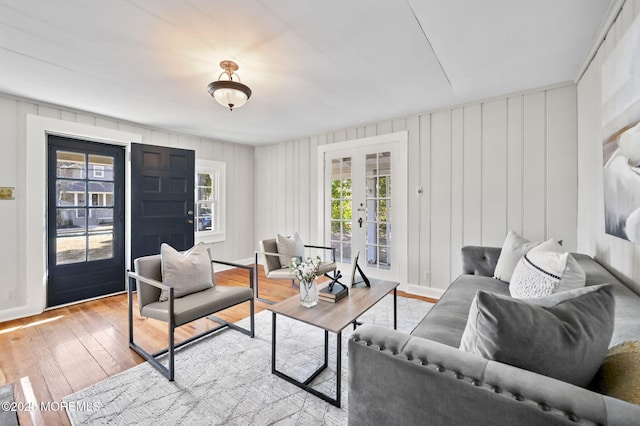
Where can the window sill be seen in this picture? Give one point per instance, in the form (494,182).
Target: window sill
(209,237)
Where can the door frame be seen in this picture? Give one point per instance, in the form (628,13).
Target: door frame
(401,185)
(32,298)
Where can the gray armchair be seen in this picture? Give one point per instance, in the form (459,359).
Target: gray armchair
(178,311)
(275,270)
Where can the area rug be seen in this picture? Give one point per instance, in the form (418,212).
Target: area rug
(8,412)
(226,379)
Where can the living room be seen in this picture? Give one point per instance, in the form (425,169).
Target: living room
(527,159)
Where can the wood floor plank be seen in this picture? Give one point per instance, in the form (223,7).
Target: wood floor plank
(67,349)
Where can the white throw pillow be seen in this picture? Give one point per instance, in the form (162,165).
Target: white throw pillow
(537,274)
(513,248)
(544,270)
(289,246)
(186,272)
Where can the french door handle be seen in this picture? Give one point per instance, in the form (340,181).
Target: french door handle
(360,222)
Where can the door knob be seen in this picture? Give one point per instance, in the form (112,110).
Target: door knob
(360,222)
(190,221)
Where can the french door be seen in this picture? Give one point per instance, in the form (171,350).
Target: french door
(365,207)
(85,220)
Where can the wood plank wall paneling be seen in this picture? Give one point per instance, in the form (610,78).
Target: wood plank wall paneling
(485,168)
(533,172)
(472,175)
(515,163)
(494,172)
(440,183)
(621,256)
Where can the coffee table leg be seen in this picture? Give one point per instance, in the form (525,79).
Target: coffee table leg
(306,384)
(395,308)
(273,343)
(338,368)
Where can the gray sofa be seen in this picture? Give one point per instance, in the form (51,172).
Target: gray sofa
(422,377)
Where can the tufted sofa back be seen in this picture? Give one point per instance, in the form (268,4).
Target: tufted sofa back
(477,260)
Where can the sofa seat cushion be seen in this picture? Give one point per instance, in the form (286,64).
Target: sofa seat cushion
(197,305)
(627,320)
(446,321)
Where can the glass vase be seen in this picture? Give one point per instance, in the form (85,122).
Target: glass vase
(308,293)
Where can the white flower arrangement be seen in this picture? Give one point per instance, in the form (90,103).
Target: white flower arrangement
(305,271)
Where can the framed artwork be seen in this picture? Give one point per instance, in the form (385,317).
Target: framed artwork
(621,144)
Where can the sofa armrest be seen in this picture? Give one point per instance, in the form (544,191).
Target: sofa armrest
(480,260)
(395,378)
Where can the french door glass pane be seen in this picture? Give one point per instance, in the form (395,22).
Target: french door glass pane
(70,165)
(86,183)
(341,208)
(71,249)
(101,246)
(101,219)
(70,221)
(100,167)
(70,192)
(378,202)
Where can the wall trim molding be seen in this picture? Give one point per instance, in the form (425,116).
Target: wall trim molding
(615,8)
(434,293)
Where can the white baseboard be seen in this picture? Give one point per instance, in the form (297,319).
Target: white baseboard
(418,290)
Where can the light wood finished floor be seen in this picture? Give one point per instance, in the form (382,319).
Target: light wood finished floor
(64,350)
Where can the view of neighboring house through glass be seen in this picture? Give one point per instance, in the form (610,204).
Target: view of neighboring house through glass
(84,207)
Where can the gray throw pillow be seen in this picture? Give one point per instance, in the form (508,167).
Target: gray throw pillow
(289,246)
(186,272)
(565,335)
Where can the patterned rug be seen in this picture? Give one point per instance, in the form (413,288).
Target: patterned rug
(8,412)
(226,378)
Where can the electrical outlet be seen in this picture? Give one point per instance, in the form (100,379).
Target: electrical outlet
(427,277)
(11,294)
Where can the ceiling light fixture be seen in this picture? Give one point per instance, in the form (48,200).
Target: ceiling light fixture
(229,93)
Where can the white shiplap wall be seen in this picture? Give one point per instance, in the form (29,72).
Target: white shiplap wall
(485,168)
(14,260)
(621,256)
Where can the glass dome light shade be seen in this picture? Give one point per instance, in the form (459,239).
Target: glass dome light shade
(231,94)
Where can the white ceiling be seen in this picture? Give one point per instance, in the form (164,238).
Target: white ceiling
(312,65)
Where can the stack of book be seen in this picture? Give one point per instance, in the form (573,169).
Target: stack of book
(333,295)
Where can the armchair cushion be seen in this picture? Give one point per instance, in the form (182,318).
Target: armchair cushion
(186,272)
(196,305)
(290,247)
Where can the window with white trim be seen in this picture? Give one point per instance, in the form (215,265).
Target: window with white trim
(98,171)
(209,220)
